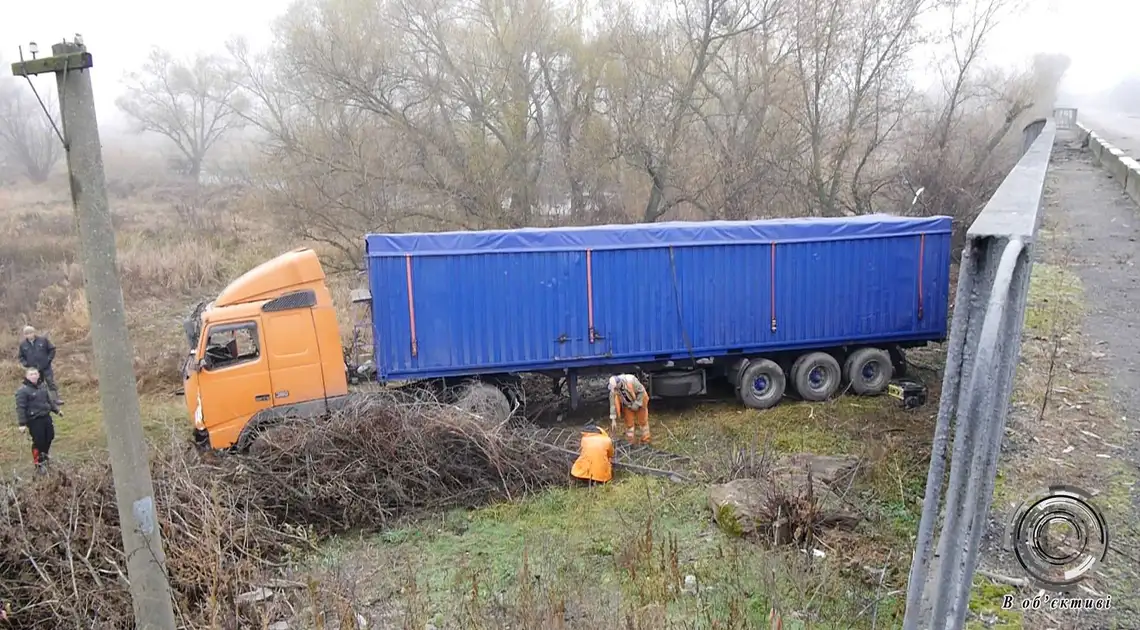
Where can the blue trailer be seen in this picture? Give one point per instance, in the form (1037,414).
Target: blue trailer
(794,305)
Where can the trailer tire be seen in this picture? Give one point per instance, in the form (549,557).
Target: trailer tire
(762,384)
(491,404)
(869,371)
(817,376)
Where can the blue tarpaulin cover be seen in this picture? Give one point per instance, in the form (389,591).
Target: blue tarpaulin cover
(643,235)
(507,301)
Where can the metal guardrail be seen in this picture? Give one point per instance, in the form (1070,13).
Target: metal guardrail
(1065,117)
(984,347)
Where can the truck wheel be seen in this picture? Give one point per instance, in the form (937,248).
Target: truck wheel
(486,401)
(869,370)
(762,384)
(816,376)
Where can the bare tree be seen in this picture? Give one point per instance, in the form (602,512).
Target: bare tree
(572,65)
(194,104)
(398,115)
(664,61)
(328,169)
(485,71)
(750,140)
(28,140)
(972,23)
(850,58)
(1047,71)
(450,110)
(971,116)
(1014,95)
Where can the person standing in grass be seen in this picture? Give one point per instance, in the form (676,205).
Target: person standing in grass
(37,351)
(34,407)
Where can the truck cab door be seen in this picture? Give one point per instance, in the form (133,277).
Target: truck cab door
(233,381)
(295,362)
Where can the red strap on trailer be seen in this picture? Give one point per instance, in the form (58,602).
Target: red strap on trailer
(773,286)
(921,260)
(590,291)
(411,305)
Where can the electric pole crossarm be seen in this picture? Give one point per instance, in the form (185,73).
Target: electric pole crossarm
(53,64)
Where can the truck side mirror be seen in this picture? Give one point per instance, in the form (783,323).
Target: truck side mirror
(207,362)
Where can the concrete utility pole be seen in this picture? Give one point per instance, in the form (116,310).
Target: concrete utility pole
(122,418)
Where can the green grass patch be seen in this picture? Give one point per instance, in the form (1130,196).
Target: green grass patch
(986,602)
(1056,299)
(896,486)
(1001,489)
(831,428)
(601,556)
(1122,486)
(892,488)
(1115,501)
(79,432)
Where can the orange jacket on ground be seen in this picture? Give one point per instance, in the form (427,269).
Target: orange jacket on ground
(595,458)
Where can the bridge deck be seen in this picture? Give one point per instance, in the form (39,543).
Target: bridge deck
(1091,230)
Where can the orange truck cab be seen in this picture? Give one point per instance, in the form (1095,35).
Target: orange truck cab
(268,347)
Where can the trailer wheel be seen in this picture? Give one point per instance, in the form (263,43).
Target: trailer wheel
(869,370)
(816,376)
(762,384)
(487,402)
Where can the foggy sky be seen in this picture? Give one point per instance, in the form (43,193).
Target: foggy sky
(120,33)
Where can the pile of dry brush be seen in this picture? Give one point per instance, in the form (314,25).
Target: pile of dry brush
(365,468)
(228,522)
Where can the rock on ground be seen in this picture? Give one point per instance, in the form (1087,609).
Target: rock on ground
(802,492)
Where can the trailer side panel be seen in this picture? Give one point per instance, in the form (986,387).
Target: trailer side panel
(530,300)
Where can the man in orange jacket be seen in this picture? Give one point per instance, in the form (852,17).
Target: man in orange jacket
(630,400)
(595,456)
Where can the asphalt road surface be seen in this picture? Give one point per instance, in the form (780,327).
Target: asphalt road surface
(1121,130)
(1102,227)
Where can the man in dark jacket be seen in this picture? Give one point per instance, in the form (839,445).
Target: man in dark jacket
(34,406)
(38,352)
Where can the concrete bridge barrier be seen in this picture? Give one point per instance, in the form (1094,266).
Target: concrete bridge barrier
(982,356)
(1095,146)
(1113,161)
(1123,168)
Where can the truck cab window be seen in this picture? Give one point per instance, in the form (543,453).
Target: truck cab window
(232,344)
